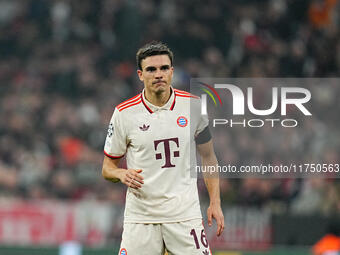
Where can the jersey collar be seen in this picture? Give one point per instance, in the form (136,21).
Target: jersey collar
(153,108)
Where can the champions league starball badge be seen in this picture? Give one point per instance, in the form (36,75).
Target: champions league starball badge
(110,130)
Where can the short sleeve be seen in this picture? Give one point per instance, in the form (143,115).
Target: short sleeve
(202,120)
(115,143)
(202,124)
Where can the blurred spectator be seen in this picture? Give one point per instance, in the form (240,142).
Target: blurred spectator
(330,243)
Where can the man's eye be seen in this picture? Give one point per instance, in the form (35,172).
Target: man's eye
(165,67)
(150,69)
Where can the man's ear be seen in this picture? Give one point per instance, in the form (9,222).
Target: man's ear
(140,75)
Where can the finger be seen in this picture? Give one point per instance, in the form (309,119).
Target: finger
(128,179)
(135,185)
(222,230)
(219,230)
(132,176)
(138,178)
(132,186)
(133,172)
(220,226)
(129,176)
(135,176)
(209,218)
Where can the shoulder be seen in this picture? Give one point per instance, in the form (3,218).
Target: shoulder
(130,103)
(184,94)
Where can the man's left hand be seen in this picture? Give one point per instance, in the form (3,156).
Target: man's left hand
(215,211)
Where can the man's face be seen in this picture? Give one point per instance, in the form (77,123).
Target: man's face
(156,73)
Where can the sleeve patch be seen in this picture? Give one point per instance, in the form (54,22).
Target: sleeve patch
(204,136)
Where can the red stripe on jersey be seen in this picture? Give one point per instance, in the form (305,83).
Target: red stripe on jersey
(131,100)
(129,105)
(147,107)
(128,100)
(181,91)
(184,94)
(173,103)
(113,157)
(192,96)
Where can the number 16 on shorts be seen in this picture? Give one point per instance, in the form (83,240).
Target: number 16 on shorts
(200,240)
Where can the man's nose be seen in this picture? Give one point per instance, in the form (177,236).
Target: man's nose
(158,74)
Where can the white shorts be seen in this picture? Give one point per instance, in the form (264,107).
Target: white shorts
(178,238)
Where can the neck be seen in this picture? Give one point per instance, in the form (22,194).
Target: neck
(158,99)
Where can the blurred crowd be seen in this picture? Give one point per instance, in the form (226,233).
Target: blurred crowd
(65,64)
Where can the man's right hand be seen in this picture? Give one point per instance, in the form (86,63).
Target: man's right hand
(132,178)
(112,172)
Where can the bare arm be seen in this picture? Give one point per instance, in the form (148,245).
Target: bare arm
(212,183)
(112,172)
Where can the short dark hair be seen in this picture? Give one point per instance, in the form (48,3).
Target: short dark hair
(152,49)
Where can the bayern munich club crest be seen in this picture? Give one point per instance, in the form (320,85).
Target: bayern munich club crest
(123,252)
(182,121)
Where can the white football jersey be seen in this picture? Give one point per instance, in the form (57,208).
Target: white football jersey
(158,141)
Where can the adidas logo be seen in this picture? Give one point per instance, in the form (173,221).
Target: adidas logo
(144,127)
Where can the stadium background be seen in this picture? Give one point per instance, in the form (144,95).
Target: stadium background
(66,63)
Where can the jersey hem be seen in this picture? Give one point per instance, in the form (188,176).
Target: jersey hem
(162,221)
(113,157)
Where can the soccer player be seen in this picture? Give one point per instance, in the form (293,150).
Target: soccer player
(152,129)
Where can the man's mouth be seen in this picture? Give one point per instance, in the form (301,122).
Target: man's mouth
(159,82)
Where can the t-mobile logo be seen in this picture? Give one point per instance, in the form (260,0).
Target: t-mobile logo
(167,152)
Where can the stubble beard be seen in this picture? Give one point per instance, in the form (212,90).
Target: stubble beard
(160,91)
